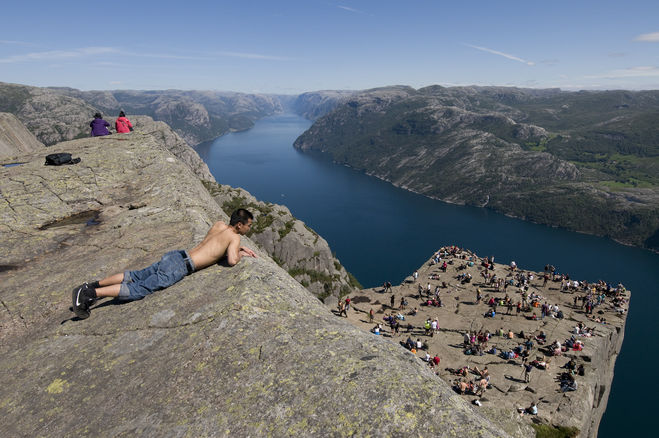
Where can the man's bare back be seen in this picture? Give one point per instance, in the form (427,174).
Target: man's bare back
(221,240)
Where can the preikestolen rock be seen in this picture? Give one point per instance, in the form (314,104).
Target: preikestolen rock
(507,389)
(228,351)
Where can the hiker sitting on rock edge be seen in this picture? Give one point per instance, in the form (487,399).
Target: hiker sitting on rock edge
(531,410)
(221,240)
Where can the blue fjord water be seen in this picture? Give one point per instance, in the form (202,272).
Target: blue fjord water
(383,233)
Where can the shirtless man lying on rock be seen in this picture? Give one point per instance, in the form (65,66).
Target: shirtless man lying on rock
(221,240)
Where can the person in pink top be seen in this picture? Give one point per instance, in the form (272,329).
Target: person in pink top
(122,124)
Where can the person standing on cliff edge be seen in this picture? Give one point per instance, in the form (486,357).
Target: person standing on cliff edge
(220,241)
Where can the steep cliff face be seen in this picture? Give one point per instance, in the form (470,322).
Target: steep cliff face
(298,249)
(15,139)
(228,351)
(555,158)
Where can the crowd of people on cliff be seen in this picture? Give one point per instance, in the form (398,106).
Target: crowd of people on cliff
(517,293)
(99,126)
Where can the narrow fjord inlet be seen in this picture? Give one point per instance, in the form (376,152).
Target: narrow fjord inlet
(383,233)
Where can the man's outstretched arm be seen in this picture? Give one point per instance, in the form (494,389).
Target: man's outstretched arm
(248,252)
(235,252)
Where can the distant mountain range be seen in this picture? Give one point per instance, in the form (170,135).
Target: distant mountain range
(195,115)
(587,161)
(58,114)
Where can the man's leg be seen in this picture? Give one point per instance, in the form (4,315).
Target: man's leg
(113,279)
(169,270)
(134,284)
(108,291)
(109,286)
(85,295)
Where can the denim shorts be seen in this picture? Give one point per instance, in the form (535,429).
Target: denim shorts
(171,268)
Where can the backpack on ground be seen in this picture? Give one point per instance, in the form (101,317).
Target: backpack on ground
(60,158)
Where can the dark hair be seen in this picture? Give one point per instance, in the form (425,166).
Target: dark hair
(240,216)
(98,116)
(122,114)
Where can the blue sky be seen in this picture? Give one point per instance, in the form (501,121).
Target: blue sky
(289,47)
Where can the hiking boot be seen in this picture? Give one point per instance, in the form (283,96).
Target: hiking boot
(83,297)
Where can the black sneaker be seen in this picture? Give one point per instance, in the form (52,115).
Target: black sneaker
(82,298)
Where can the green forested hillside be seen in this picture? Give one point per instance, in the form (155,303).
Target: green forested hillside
(588,161)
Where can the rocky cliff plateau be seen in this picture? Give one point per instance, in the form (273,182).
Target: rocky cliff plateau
(228,351)
(303,253)
(461,312)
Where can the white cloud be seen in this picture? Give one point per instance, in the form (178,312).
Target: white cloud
(632,72)
(166,56)
(349,9)
(254,56)
(648,37)
(15,43)
(58,54)
(505,55)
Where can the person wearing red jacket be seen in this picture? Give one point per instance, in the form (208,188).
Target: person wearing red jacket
(122,124)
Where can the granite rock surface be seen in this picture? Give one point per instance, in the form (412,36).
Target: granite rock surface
(228,351)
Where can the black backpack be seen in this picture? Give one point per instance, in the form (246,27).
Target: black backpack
(60,158)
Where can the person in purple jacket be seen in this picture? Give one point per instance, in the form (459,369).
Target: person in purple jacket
(99,126)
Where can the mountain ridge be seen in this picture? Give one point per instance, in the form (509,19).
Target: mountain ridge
(501,148)
(57,114)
